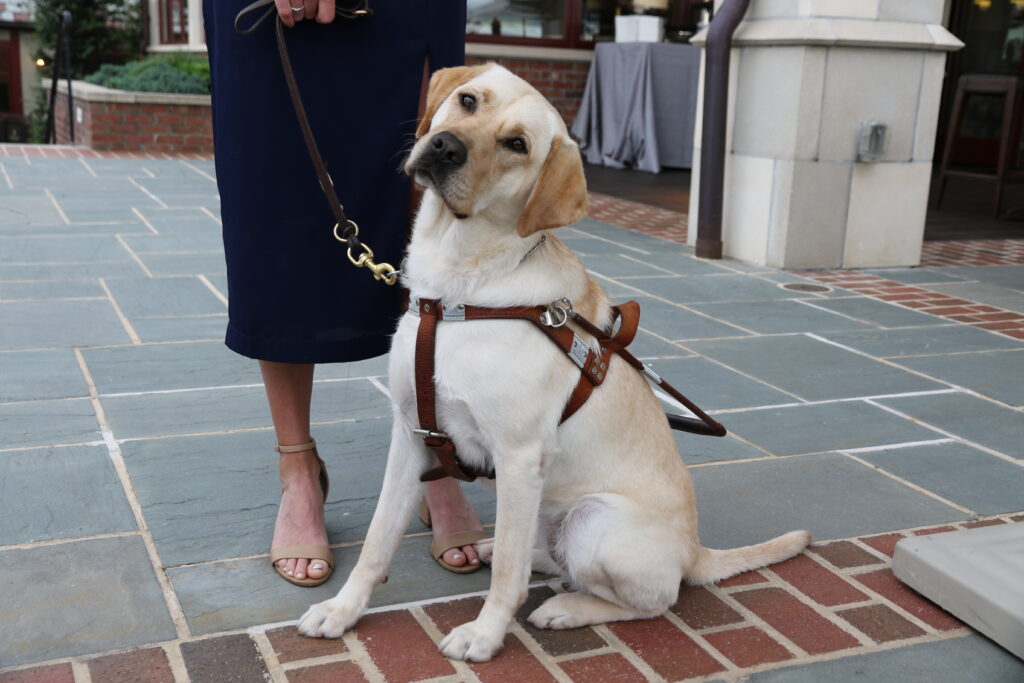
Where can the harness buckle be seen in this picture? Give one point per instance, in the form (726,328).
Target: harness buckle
(557,313)
(430,434)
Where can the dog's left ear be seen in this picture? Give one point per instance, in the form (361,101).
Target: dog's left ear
(560,195)
(442,84)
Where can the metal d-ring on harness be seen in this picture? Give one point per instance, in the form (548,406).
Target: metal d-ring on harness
(345,229)
(552,321)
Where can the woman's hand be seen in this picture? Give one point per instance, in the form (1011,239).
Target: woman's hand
(292,11)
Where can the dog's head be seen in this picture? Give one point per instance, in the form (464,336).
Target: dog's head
(490,144)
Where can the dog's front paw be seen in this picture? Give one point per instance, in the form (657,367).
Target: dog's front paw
(556,614)
(328,619)
(472,642)
(485,549)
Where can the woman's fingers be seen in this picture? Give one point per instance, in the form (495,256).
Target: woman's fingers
(284,9)
(325,14)
(310,8)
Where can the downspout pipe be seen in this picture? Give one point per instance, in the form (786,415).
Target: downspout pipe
(718,46)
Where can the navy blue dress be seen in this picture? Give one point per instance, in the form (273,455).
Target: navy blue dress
(293,295)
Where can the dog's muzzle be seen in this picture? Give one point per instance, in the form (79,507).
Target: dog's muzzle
(444,153)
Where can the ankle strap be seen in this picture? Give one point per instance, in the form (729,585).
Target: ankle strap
(297,448)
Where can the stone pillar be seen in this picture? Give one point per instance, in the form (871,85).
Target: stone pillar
(804,75)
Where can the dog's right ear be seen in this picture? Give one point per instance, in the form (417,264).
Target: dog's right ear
(442,84)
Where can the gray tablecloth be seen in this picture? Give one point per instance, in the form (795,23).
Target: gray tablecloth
(639,106)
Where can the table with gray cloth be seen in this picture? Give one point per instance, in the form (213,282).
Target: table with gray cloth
(639,106)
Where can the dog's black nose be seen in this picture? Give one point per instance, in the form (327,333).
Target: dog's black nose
(448,149)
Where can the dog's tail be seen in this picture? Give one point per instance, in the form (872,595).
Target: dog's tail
(716,565)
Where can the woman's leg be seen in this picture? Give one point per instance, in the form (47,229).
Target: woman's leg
(451,512)
(300,518)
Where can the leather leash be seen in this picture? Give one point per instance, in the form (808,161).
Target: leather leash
(345,229)
(551,320)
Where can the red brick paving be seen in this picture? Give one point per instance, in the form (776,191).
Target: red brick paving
(700,609)
(666,649)
(289,645)
(885,583)
(611,667)
(795,620)
(745,579)
(335,672)
(880,623)
(886,543)
(139,666)
(400,648)
(515,663)
(817,582)
(747,647)
(845,554)
(58,673)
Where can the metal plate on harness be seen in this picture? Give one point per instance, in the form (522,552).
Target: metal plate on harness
(579,350)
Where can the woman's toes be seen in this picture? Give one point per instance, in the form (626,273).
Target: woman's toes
(300,568)
(282,565)
(290,567)
(317,569)
(471,555)
(455,557)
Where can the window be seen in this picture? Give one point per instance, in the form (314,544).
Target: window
(173,22)
(556,23)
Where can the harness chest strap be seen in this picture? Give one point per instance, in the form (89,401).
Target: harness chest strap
(593,366)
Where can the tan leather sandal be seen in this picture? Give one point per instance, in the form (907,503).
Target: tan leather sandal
(456,539)
(312,552)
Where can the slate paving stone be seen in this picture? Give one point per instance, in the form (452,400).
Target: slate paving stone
(162,265)
(70,289)
(810,368)
(957,472)
(162,367)
(674,322)
(996,375)
(921,341)
(696,450)
(34,375)
(617,265)
(774,317)
(42,423)
(61,493)
(165,296)
(215,410)
(72,599)
(61,250)
(711,288)
(1011,277)
(219,282)
(967,417)
(34,209)
(149,243)
(829,495)
(831,426)
(714,387)
(72,271)
(647,346)
(914,276)
(878,312)
(968,658)
(983,293)
(584,245)
(59,324)
(181,328)
(218,597)
(216,496)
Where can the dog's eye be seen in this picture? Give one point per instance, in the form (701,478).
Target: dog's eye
(516,145)
(468,102)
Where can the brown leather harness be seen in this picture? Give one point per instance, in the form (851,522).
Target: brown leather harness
(551,320)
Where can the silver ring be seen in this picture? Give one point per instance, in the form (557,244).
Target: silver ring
(298,10)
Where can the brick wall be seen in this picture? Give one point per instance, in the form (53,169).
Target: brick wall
(137,127)
(561,82)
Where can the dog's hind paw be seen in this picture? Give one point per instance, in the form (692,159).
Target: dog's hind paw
(485,549)
(554,614)
(470,642)
(328,619)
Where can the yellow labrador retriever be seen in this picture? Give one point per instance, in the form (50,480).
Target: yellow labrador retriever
(603,500)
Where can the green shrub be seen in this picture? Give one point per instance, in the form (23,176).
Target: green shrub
(155,74)
(102,31)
